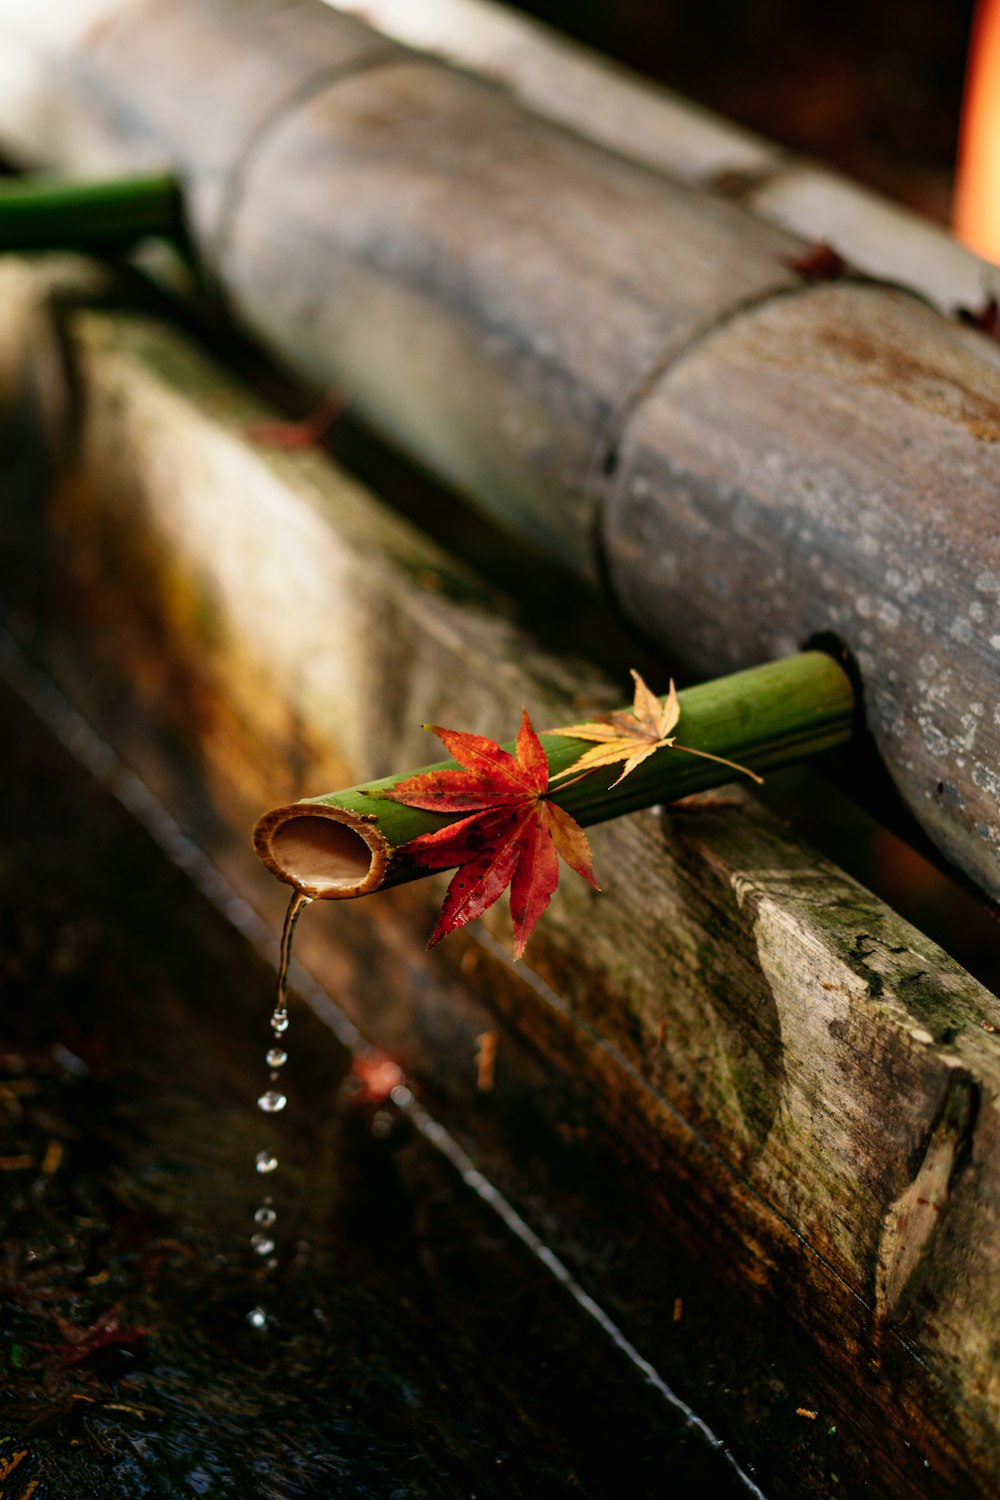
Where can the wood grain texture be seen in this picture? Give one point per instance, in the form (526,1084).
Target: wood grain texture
(781,1076)
(831,463)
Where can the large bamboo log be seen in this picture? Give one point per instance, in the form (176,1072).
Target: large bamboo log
(799,1088)
(522,310)
(851,488)
(532,278)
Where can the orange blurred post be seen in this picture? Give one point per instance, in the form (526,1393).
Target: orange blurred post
(977,188)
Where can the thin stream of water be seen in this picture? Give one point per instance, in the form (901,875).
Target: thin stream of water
(38,692)
(274,1100)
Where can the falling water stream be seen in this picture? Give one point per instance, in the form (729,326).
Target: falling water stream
(130,1362)
(274,1099)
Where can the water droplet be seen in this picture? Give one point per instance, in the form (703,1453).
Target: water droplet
(401,1096)
(272,1101)
(257,1317)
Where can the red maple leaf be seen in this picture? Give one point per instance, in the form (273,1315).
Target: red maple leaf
(512,836)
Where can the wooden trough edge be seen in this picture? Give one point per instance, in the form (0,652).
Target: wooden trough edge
(800,1084)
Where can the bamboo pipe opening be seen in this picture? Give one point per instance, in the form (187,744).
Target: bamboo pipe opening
(325,852)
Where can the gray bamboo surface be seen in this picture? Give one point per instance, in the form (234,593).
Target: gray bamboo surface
(526,313)
(126,96)
(791,1083)
(599,99)
(831,464)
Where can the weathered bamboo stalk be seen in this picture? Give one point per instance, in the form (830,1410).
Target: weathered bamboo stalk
(88,216)
(101,87)
(603,101)
(627,371)
(353,843)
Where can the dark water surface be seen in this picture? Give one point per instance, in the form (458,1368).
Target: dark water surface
(414,1348)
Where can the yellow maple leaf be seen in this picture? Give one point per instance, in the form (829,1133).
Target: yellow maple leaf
(632,735)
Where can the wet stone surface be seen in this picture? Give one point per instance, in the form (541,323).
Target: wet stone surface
(410,1348)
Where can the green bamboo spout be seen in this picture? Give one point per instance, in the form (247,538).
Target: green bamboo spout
(44,214)
(352,843)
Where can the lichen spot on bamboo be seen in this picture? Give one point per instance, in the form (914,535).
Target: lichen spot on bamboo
(326,852)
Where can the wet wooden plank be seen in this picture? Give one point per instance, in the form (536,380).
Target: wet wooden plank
(800,1086)
(128,1182)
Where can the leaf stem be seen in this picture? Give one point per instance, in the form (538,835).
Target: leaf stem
(745,770)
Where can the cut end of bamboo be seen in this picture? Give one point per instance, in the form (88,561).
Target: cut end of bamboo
(326,852)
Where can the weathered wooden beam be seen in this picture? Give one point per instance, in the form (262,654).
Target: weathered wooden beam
(526,313)
(801,1088)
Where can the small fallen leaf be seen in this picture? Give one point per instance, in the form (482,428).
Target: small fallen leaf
(376,1075)
(10,1461)
(52,1160)
(486,1057)
(628,736)
(513,835)
(818,262)
(632,735)
(307,432)
(985,318)
(79,1343)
